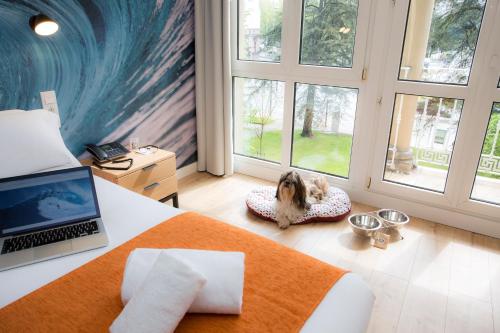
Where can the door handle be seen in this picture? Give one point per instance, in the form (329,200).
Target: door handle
(151,186)
(151,166)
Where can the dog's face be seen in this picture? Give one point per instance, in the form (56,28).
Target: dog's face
(291,188)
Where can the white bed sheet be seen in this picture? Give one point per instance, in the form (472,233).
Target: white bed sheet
(346,308)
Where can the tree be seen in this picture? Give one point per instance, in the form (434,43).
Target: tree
(270,25)
(325,106)
(329,29)
(324,42)
(262,115)
(455,29)
(328,33)
(309,112)
(491,132)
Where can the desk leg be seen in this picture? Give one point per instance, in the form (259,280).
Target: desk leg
(175,200)
(174,197)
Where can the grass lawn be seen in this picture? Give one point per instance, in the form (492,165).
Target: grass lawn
(325,152)
(271,146)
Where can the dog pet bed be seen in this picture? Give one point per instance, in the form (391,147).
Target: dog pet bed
(334,207)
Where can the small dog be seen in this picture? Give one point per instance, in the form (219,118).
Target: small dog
(294,196)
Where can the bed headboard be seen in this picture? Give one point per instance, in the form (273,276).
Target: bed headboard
(49,102)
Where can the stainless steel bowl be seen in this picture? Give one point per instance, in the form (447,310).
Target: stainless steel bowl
(393,218)
(364,224)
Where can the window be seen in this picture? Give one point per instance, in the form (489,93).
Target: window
(487,181)
(259,29)
(440,136)
(258,118)
(440,40)
(323,128)
(328,32)
(414,155)
(381,97)
(426,91)
(280,115)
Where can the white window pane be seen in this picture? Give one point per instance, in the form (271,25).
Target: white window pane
(258,118)
(487,182)
(323,128)
(440,40)
(259,30)
(421,142)
(328,32)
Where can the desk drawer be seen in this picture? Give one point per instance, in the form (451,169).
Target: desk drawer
(160,189)
(149,174)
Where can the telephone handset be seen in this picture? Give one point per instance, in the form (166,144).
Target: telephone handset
(108,151)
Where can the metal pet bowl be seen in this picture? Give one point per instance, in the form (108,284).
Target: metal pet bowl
(364,224)
(393,218)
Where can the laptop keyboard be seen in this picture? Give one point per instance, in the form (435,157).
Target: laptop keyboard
(49,236)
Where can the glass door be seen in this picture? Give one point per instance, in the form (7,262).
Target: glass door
(433,72)
(400,98)
(481,181)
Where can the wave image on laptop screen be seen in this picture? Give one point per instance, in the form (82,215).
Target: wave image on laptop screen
(29,204)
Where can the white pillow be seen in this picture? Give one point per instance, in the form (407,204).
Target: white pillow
(162,299)
(224,271)
(30,141)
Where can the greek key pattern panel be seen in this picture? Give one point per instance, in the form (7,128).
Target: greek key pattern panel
(490,164)
(434,157)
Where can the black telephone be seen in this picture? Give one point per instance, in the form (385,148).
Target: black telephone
(108,151)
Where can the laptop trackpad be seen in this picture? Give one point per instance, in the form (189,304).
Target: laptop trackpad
(53,250)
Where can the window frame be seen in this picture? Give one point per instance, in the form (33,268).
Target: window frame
(489,93)
(379,47)
(459,178)
(290,71)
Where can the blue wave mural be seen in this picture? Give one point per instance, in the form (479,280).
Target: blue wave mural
(120,69)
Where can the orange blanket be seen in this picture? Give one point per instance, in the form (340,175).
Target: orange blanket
(282,286)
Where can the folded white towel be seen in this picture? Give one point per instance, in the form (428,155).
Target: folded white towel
(224,271)
(162,299)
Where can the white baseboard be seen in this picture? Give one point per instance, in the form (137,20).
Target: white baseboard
(453,218)
(187,170)
(435,214)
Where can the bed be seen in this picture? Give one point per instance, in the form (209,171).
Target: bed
(345,308)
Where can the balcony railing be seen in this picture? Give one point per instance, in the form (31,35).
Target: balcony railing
(488,163)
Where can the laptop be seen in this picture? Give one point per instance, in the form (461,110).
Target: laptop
(48,215)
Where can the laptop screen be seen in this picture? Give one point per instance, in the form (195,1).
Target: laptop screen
(46,200)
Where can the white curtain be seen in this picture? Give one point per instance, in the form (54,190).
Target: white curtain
(213,86)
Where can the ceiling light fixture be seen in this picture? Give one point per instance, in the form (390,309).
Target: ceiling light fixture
(43,25)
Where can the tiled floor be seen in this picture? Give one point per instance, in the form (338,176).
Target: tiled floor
(438,279)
